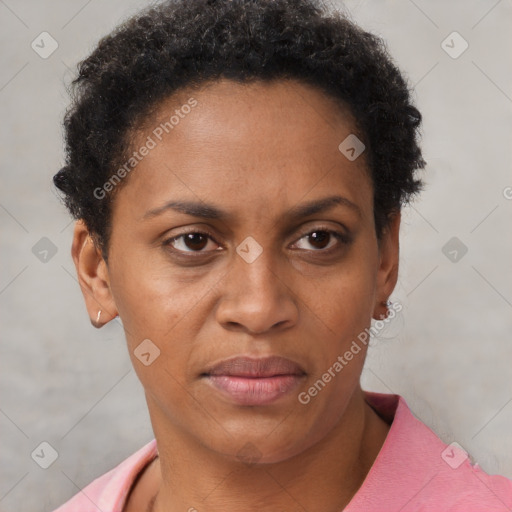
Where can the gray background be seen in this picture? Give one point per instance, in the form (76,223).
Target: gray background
(449,352)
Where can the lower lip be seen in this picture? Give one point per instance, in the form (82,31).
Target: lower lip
(255,391)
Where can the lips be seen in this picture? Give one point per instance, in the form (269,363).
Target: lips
(256,368)
(254,382)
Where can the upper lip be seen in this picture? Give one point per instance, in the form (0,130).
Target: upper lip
(243,366)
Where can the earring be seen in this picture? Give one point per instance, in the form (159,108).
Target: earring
(387,304)
(98,317)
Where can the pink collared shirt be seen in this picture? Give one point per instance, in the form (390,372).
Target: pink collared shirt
(414,471)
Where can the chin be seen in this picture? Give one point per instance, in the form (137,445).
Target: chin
(261,446)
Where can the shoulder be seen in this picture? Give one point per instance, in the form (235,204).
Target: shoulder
(468,486)
(416,471)
(108,492)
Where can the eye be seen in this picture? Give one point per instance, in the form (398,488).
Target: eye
(198,241)
(320,237)
(193,241)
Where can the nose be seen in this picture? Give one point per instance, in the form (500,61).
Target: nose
(257,297)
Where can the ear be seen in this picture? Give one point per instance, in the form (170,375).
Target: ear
(92,276)
(387,275)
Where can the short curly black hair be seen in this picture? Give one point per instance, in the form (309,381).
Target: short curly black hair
(185,43)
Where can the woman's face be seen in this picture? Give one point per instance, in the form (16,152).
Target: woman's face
(259,279)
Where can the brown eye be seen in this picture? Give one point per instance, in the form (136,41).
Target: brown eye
(189,242)
(320,239)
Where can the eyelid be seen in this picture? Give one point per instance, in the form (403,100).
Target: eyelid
(323,227)
(192,231)
(343,238)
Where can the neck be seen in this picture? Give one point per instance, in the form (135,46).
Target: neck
(324,477)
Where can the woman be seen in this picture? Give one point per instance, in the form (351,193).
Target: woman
(237,170)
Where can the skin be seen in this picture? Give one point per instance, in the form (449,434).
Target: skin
(255,150)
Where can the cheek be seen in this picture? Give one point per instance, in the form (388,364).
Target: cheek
(344,297)
(342,304)
(151,298)
(167,307)
(159,320)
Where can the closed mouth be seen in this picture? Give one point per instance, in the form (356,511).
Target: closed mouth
(252,368)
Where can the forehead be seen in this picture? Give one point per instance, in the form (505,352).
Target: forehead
(261,145)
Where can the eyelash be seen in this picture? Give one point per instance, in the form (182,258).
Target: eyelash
(340,237)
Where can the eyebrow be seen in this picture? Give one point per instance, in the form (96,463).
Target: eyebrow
(210,211)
